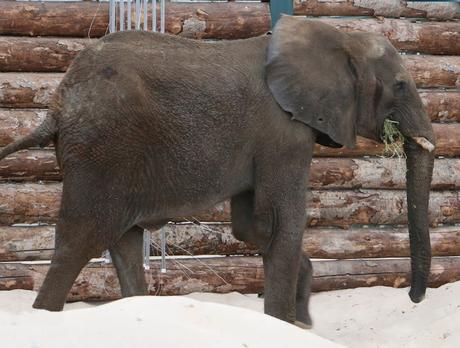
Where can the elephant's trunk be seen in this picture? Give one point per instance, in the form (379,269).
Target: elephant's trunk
(419,173)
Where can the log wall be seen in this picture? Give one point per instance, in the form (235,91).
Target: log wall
(381,8)
(356,210)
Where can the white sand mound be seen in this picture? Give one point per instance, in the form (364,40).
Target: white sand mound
(145,321)
(365,317)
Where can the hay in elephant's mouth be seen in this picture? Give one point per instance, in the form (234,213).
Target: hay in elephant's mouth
(393,140)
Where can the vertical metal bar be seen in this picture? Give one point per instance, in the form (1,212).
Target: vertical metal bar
(122,15)
(163,250)
(106,256)
(146,249)
(112,16)
(154,15)
(138,15)
(146,27)
(162,16)
(128,26)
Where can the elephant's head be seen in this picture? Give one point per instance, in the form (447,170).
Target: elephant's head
(347,84)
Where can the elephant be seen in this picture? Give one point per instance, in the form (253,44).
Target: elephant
(149,127)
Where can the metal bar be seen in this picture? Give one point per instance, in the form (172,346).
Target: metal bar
(162,16)
(154,15)
(146,26)
(146,249)
(122,15)
(128,27)
(107,257)
(138,14)
(112,16)
(163,250)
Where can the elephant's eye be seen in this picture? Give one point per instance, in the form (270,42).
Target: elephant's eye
(399,87)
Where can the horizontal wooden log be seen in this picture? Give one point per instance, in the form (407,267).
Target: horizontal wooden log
(37,243)
(377,173)
(17,123)
(80,19)
(447,140)
(431,71)
(326,173)
(346,208)
(90,19)
(34,90)
(55,54)
(31,203)
(383,8)
(26,243)
(31,165)
(213,20)
(447,144)
(346,274)
(39,54)
(98,281)
(27,90)
(375,242)
(16,282)
(406,35)
(441,106)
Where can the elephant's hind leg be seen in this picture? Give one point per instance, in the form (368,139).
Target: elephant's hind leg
(127,258)
(72,253)
(88,224)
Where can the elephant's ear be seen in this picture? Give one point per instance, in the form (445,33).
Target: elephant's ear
(312,75)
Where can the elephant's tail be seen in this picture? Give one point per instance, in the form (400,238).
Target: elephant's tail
(41,136)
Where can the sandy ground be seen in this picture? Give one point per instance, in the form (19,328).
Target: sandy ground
(365,317)
(173,322)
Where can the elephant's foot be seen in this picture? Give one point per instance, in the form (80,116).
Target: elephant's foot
(302,314)
(41,302)
(63,271)
(303,321)
(303,325)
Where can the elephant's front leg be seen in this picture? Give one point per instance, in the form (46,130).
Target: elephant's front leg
(304,284)
(280,212)
(282,261)
(243,229)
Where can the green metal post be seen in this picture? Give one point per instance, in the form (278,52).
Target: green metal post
(277,7)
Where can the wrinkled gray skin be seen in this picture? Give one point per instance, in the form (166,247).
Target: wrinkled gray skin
(150,127)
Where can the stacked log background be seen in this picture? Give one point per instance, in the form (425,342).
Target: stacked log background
(356,212)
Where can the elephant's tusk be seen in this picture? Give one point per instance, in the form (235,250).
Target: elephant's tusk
(424,143)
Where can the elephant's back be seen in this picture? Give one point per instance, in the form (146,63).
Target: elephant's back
(142,72)
(140,49)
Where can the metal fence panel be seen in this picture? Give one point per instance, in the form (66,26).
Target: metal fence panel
(121,12)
